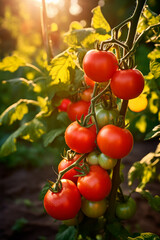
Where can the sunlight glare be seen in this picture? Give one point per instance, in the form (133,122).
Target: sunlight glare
(56,2)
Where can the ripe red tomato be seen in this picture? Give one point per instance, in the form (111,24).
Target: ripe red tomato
(89,81)
(115,142)
(86,95)
(100,65)
(76,109)
(127,84)
(72,172)
(80,139)
(126,210)
(64,104)
(96,185)
(94,209)
(64,204)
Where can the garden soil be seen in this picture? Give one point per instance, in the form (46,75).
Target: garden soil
(22,215)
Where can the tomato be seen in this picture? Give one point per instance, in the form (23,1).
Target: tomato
(106,162)
(138,104)
(72,172)
(64,204)
(92,158)
(64,104)
(89,81)
(105,117)
(126,210)
(80,139)
(94,209)
(127,84)
(100,65)
(115,142)
(76,109)
(86,95)
(96,185)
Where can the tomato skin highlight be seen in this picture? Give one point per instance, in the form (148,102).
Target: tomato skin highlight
(64,163)
(64,105)
(126,210)
(76,109)
(127,84)
(96,185)
(64,204)
(80,139)
(99,65)
(94,209)
(115,142)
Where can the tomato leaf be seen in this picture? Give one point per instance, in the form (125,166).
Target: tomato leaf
(44,191)
(145,236)
(51,135)
(155,68)
(11,63)
(154,133)
(118,231)
(66,233)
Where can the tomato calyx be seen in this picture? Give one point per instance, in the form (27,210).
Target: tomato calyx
(68,155)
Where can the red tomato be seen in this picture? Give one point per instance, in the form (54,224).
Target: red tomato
(72,172)
(115,142)
(64,204)
(100,65)
(127,84)
(89,81)
(80,139)
(64,104)
(96,185)
(76,109)
(86,95)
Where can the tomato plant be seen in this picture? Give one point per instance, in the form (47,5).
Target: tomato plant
(64,204)
(126,209)
(99,65)
(96,185)
(127,84)
(76,109)
(71,174)
(114,141)
(80,139)
(94,209)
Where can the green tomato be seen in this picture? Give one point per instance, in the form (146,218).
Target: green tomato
(106,162)
(92,158)
(126,210)
(105,117)
(94,209)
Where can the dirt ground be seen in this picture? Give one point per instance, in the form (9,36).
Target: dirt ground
(21,212)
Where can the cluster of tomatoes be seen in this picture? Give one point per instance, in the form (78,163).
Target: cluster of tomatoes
(101,150)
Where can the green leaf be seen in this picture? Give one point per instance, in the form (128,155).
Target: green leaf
(62,68)
(153,55)
(118,231)
(145,236)
(44,191)
(16,111)
(154,133)
(99,22)
(30,131)
(11,63)
(66,233)
(63,118)
(19,224)
(155,68)
(51,136)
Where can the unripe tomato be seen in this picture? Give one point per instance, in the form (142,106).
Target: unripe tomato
(86,95)
(76,109)
(80,139)
(94,209)
(64,104)
(106,162)
(64,204)
(89,81)
(96,185)
(126,210)
(71,174)
(92,158)
(105,117)
(100,65)
(127,84)
(114,141)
